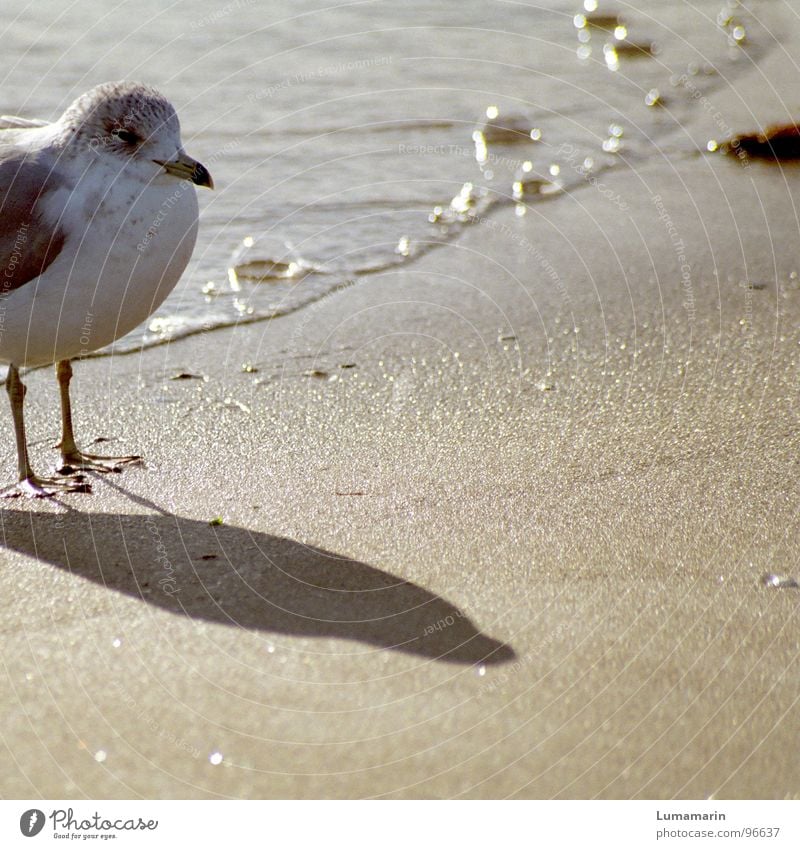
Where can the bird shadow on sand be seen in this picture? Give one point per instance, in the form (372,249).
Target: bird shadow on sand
(246,579)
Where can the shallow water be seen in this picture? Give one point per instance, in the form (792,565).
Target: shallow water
(347,141)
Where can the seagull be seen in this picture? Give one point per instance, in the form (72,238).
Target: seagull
(98,220)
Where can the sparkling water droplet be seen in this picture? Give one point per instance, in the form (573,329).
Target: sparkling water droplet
(653,97)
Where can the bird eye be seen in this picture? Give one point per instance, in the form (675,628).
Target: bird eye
(126,135)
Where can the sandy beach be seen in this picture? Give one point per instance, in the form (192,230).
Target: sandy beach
(494,526)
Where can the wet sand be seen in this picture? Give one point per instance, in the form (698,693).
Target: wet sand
(492,526)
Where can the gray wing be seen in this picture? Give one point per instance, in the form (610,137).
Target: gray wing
(29,242)
(12,122)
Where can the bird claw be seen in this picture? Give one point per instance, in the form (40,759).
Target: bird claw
(36,487)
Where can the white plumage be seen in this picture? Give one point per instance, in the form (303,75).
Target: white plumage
(98,219)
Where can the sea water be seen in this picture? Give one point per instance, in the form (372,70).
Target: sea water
(348,139)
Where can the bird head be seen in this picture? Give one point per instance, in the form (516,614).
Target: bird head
(132,126)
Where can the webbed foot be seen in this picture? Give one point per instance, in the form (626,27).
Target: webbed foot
(35,487)
(78,461)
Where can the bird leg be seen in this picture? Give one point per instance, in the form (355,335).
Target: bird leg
(29,483)
(72,457)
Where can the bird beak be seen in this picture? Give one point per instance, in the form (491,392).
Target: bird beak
(187,169)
